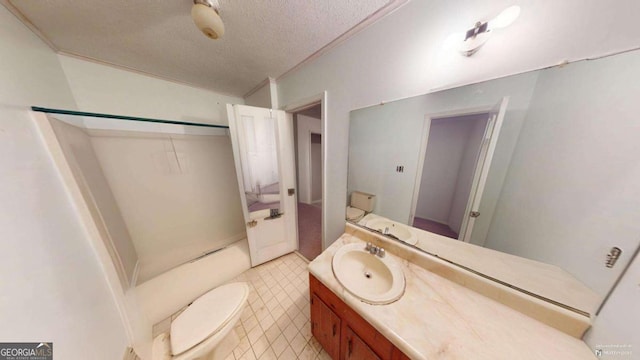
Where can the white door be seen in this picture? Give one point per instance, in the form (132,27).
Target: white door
(262,141)
(488,147)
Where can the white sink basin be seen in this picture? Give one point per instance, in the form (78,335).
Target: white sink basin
(400,231)
(368,277)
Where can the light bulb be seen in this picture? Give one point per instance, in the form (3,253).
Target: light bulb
(505,18)
(473,44)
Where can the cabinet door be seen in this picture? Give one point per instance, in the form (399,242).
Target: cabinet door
(325,327)
(357,349)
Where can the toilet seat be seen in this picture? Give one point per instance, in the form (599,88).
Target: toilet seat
(354,214)
(206,316)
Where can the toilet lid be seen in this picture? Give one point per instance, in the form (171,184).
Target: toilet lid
(205,316)
(354,213)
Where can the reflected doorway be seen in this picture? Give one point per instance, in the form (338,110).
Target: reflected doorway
(450,163)
(309,174)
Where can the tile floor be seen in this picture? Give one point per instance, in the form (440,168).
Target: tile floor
(275,324)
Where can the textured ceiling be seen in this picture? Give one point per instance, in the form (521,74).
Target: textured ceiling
(262,38)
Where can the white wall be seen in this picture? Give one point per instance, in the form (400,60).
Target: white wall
(102,89)
(53,288)
(79,155)
(465,176)
(401,56)
(265,96)
(305,126)
(178,194)
(579,147)
(446,147)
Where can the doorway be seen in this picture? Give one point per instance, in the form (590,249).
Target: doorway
(309,174)
(454,144)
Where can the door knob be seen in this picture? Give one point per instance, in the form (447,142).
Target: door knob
(474,214)
(252,223)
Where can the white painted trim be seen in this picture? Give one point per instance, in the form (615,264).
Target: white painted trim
(308,171)
(288,174)
(423,150)
(310,167)
(136,272)
(273,93)
(462,112)
(72,188)
(477,188)
(426,127)
(233,133)
(20,16)
(302,104)
(305,103)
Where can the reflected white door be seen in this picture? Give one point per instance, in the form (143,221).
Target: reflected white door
(488,147)
(262,141)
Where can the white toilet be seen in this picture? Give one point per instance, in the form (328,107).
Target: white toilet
(205,330)
(360,204)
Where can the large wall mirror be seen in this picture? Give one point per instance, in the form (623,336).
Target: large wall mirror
(538,174)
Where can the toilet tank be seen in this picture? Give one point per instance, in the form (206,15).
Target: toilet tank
(362,201)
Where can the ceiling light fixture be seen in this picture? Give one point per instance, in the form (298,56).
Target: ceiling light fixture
(206,16)
(478,36)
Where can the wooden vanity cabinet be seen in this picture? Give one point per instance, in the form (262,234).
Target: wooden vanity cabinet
(342,332)
(325,326)
(357,348)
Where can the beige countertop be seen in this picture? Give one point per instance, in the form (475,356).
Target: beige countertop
(439,319)
(546,280)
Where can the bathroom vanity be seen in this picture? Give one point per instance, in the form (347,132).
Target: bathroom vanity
(435,318)
(342,332)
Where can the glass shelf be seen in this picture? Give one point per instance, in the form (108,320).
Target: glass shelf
(122,117)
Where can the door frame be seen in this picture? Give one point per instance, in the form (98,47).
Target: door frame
(310,161)
(297,106)
(426,128)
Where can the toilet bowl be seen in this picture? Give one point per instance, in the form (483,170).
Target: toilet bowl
(360,204)
(205,330)
(354,214)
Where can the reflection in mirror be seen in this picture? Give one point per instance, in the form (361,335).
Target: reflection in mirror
(445,182)
(536,200)
(259,159)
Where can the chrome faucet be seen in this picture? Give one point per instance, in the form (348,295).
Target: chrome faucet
(375,250)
